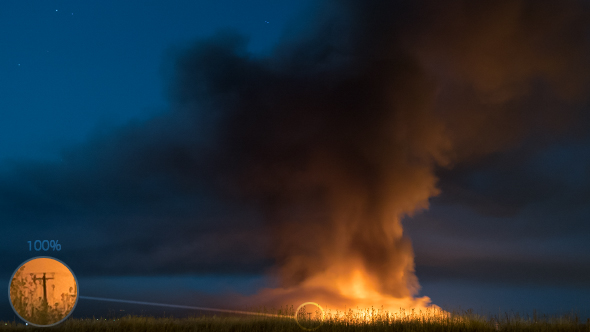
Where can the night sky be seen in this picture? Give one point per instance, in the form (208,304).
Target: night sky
(195,152)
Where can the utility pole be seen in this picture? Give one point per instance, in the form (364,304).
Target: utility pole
(44,278)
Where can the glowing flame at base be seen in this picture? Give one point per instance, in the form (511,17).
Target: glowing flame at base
(351,296)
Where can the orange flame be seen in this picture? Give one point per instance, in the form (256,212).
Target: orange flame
(340,291)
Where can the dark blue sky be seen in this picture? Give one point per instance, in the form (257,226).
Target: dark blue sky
(160,143)
(70,69)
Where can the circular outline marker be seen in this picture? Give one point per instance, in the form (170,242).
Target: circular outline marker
(301,306)
(73,275)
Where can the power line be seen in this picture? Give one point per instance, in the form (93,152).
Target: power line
(185,307)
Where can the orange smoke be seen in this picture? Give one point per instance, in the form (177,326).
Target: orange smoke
(349,288)
(352,252)
(336,138)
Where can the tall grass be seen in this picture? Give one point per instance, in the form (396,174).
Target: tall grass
(352,320)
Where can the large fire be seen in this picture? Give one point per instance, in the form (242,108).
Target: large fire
(346,249)
(346,287)
(348,281)
(360,290)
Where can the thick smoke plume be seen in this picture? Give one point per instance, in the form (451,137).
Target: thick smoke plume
(334,142)
(336,137)
(333,139)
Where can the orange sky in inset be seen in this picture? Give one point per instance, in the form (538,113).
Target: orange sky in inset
(64,279)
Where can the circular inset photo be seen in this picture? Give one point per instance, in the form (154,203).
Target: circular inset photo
(309,316)
(43,291)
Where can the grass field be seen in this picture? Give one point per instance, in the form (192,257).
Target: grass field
(367,320)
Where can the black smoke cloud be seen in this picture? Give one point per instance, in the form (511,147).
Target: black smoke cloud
(283,163)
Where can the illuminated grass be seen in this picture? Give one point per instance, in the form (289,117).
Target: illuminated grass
(349,321)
